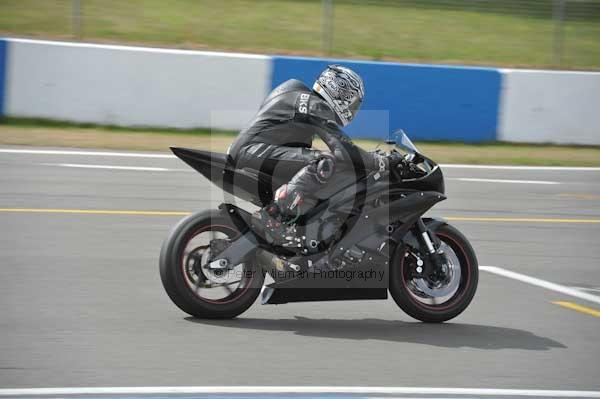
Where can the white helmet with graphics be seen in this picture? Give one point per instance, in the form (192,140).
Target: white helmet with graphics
(343,89)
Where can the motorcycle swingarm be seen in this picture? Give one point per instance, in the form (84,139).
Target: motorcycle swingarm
(243,245)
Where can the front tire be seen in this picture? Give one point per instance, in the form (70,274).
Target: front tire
(426,308)
(186,283)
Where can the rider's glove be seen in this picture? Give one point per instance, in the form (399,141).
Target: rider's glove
(398,164)
(393,161)
(396,160)
(380,162)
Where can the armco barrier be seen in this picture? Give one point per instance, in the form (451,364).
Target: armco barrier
(550,106)
(428,102)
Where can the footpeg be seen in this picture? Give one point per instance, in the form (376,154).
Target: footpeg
(294,267)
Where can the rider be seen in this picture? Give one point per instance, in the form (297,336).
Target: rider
(281,135)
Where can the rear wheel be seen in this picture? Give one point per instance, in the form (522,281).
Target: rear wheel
(194,287)
(443,299)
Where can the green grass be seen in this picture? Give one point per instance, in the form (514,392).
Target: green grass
(66,125)
(409,31)
(63,134)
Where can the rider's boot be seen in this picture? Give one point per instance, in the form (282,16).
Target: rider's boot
(277,221)
(267,223)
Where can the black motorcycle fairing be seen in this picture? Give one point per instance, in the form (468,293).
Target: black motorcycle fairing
(368,207)
(370,236)
(210,164)
(410,206)
(248,184)
(381,192)
(293,293)
(433,181)
(257,187)
(401,213)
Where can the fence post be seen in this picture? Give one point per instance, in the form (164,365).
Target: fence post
(559,31)
(327,26)
(76,18)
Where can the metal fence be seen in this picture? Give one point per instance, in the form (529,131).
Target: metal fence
(559,12)
(540,33)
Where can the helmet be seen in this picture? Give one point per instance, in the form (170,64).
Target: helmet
(343,90)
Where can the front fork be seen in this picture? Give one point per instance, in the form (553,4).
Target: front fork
(425,238)
(429,241)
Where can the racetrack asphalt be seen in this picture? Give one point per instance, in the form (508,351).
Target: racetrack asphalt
(81,301)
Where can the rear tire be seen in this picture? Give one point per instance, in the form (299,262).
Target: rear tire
(176,279)
(458,302)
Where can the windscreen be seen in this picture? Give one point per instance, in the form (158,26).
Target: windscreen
(404,143)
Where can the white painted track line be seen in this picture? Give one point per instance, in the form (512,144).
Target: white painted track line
(139,48)
(519,167)
(88,153)
(165,155)
(478,180)
(274,390)
(111,167)
(118,167)
(541,283)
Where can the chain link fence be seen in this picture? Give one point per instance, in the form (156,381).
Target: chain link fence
(521,33)
(556,33)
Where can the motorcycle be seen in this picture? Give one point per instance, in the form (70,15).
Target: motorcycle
(366,236)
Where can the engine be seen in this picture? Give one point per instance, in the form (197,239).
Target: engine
(330,231)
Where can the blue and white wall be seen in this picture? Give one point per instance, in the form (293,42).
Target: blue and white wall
(550,106)
(132,86)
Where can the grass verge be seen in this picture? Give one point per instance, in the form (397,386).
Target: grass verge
(33,132)
(502,32)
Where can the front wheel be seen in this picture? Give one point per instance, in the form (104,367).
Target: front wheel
(194,287)
(439,301)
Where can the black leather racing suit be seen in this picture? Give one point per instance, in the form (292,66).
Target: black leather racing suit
(280,138)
